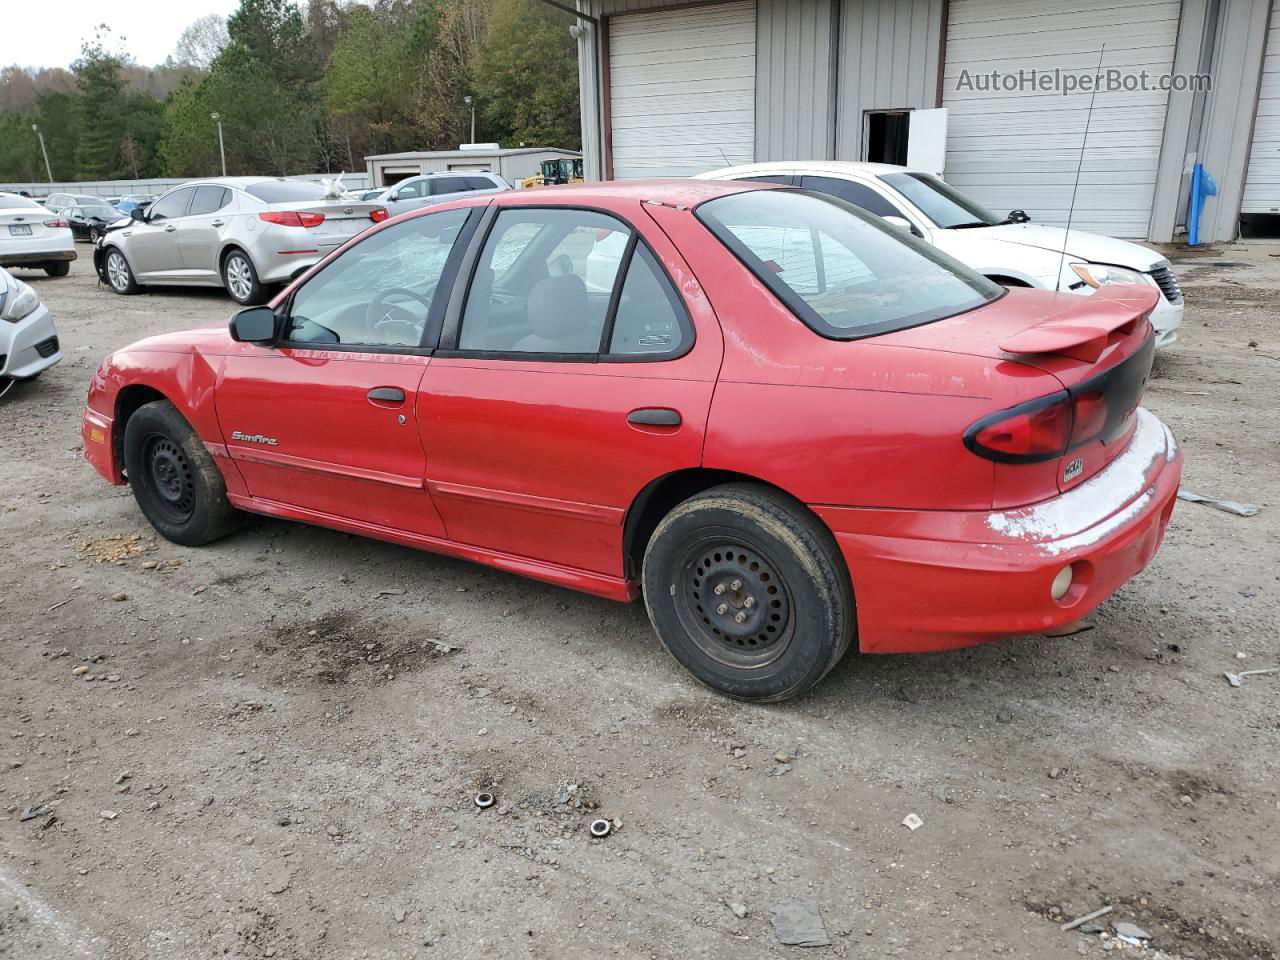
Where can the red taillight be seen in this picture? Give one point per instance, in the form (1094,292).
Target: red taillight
(56,223)
(1040,430)
(378,214)
(291,218)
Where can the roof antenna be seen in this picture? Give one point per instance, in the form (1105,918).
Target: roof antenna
(1066,236)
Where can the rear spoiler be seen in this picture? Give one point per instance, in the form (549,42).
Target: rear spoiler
(1082,329)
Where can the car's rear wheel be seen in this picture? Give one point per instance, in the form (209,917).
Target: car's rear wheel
(58,269)
(119,276)
(747,589)
(241,279)
(174,479)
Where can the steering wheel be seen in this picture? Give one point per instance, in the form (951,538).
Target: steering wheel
(374,314)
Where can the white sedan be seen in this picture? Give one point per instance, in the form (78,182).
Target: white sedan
(31,236)
(1009,250)
(28,340)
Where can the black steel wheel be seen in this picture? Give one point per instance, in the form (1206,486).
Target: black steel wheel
(174,479)
(748,590)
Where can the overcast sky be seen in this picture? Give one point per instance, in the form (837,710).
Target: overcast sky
(48,33)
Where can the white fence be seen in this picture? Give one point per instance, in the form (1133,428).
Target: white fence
(117,188)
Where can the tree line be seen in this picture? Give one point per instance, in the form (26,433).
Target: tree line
(298,90)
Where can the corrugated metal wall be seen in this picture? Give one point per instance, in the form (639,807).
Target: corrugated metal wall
(794,84)
(889,53)
(1262,185)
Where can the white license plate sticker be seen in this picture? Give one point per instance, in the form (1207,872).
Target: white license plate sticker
(19,230)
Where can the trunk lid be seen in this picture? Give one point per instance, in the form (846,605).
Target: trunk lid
(26,223)
(1099,349)
(343,219)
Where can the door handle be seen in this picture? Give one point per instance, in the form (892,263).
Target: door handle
(386,395)
(654,417)
(169,228)
(217,223)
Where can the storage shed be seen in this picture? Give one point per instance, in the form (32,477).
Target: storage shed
(515,163)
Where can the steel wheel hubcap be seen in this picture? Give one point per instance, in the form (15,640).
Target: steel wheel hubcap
(238,277)
(117,271)
(171,479)
(734,604)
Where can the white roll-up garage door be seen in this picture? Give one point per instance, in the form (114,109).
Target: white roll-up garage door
(1262,188)
(682,90)
(1019,149)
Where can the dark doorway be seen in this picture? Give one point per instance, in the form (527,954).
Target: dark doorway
(1260,226)
(887,132)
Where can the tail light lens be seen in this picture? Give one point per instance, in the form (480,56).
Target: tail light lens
(59,222)
(378,214)
(1043,429)
(292,218)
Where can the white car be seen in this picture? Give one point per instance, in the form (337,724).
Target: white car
(28,340)
(1009,250)
(31,236)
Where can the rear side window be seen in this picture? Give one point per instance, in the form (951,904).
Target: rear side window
(479,183)
(209,200)
(839,269)
(443,185)
(571,284)
(285,191)
(856,193)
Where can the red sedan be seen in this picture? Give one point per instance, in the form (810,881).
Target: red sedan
(786,425)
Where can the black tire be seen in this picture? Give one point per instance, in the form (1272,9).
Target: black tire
(59,269)
(240,277)
(118,272)
(793,592)
(174,479)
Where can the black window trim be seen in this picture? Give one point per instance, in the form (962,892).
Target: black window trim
(435,316)
(797,305)
(191,195)
(448,344)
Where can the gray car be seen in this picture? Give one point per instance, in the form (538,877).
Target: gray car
(28,340)
(245,234)
(433,188)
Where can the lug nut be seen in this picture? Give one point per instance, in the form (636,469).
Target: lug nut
(722,609)
(719,589)
(740,616)
(749,602)
(736,585)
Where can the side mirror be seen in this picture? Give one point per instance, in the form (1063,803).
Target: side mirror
(254,325)
(1019,216)
(137,213)
(902,223)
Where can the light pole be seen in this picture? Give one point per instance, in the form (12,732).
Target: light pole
(222,150)
(470,102)
(45,153)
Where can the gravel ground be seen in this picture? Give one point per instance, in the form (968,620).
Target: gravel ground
(260,753)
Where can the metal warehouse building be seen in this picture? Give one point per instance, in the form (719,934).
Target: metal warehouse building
(677,88)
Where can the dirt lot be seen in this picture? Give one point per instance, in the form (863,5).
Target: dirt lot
(269,756)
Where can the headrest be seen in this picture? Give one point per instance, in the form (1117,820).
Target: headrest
(558,307)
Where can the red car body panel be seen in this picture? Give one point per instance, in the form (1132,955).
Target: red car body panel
(532,466)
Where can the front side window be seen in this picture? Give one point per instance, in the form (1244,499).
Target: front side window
(841,270)
(546,282)
(378,293)
(940,202)
(171,205)
(411,190)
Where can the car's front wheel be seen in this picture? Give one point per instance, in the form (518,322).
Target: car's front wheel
(174,479)
(241,279)
(747,589)
(119,275)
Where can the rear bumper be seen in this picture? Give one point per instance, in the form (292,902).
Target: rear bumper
(28,346)
(928,581)
(35,257)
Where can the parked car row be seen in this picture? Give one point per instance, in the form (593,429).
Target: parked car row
(790,426)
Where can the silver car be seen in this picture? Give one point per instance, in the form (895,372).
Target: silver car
(28,340)
(242,233)
(432,188)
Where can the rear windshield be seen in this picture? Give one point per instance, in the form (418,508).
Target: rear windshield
(842,271)
(285,191)
(15,201)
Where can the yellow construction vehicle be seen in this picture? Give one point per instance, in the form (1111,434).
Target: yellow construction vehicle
(564,170)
